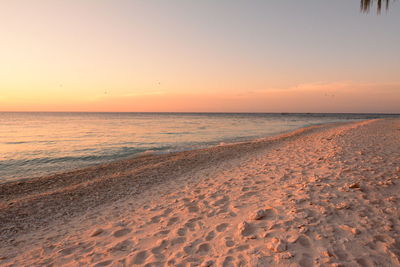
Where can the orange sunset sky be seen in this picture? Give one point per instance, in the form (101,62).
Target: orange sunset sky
(200,56)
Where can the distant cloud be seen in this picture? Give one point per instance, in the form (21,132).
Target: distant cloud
(331,97)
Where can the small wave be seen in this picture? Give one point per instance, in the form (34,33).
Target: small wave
(104,156)
(176,133)
(16,143)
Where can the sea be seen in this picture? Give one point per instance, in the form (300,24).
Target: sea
(42,143)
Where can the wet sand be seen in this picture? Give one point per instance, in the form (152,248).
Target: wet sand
(325,195)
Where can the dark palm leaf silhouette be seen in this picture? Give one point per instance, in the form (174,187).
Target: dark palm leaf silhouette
(366,5)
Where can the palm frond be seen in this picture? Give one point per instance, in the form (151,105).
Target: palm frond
(367,4)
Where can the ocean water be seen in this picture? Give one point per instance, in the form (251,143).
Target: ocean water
(36,144)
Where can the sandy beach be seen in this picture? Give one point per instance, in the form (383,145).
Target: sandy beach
(326,195)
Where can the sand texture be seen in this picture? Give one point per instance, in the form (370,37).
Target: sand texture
(325,195)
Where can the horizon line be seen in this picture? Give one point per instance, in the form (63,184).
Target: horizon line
(206,112)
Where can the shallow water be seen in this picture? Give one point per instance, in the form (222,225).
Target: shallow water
(35,144)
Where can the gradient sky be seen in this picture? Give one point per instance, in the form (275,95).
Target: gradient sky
(205,55)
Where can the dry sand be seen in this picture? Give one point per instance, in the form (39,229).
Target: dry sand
(321,196)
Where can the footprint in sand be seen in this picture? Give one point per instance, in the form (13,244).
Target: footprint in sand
(48,249)
(123,246)
(192,207)
(181,232)
(203,249)
(167,212)
(197,191)
(177,241)
(87,250)
(248,194)
(121,232)
(139,257)
(222,227)
(191,246)
(163,232)
(232,214)
(190,224)
(229,243)
(155,219)
(211,214)
(172,220)
(224,209)
(210,236)
(103,263)
(67,251)
(222,201)
(242,247)
(161,246)
(228,262)
(241,261)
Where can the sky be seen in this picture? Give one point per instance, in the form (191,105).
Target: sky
(198,56)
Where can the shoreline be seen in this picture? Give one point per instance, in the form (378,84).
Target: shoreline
(155,154)
(139,160)
(151,153)
(42,158)
(170,184)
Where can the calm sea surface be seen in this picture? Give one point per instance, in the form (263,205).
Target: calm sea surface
(35,144)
